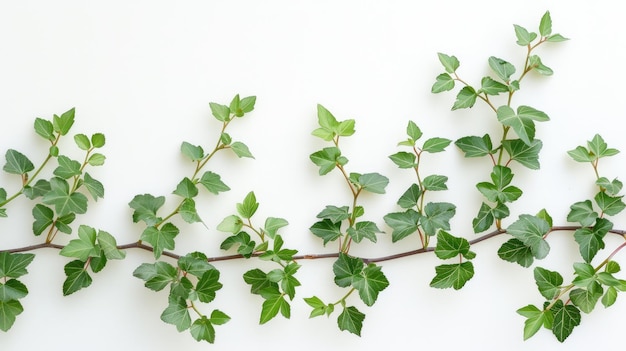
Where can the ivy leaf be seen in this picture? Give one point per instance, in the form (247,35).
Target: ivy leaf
(186,189)
(413,131)
(370,283)
(435,182)
(242,240)
(466,98)
(63,199)
(160,239)
(362,230)
(548,282)
(319,307)
(515,251)
(492,87)
(40,188)
(177,313)
(219,318)
(67,167)
(327,159)
(449,246)
(608,204)
(17,163)
(583,213)
(188,211)
(526,154)
(274,302)
(82,141)
(484,219)
(522,121)
(452,275)
(248,207)
(258,281)
(609,297)
(83,247)
(241,149)
(202,329)
(437,216)
(193,152)
(434,145)
(351,319)
(580,154)
(403,223)
(524,37)
(208,285)
(272,225)
(220,112)
(63,123)
(566,318)
(146,207)
(44,217)
(108,244)
(545,25)
(96,159)
(44,128)
(585,299)
(535,319)
(503,69)
(13,265)
(473,146)
(598,147)
(328,124)
(95,188)
(346,269)
(230,224)
(410,197)
(591,240)
(450,63)
(373,182)
(443,82)
(9,310)
(611,187)
(156,275)
(535,63)
(213,183)
(77,277)
(404,159)
(334,214)
(326,230)
(12,289)
(530,231)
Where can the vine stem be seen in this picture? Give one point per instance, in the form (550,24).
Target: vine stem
(138,245)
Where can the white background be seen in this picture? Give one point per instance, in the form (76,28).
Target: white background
(143,73)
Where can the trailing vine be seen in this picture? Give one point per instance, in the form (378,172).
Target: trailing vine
(60,189)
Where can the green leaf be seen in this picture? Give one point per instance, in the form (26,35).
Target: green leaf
(608,204)
(40,188)
(535,319)
(609,297)
(535,63)
(410,197)
(450,63)
(219,318)
(403,223)
(67,168)
(213,183)
(44,128)
(515,251)
(208,285)
(220,112)
(443,82)
(555,38)
(522,121)
(94,187)
(591,240)
(435,183)
(545,25)
(146,207)
(326,230)
(9,310)
(327,159)
(273,304)
(466,98)
(345,128)
(585,275)
(249,206)
(241,149)
(434,145)
(584,299)
(186,189)
(13,265)
(449,246)
(413,131)
(484,219)
(373,182)
(258,281)
(334,214)
(230,224)
(64,201)
(202,329)
(526,154)
(524,37)
(247,104)
(598,147)
(83,247)
(194,263)
(583,213)
(177,313)
(62,124)
(530,231)
(580,154)
(452,275)
(109,246)
(82,141)
(12,289)
(326,119)
(611,188)
(98,140)
(548,282)
(503,69)
(193,152)
(473,146)
(96,159)
(362,230)
(319,307)
(351,320)
(437,216)
(346,269)
(612,267)
(370,283)
(404,159)
(242,240)
(272,225)
(77,277)
(44,217)
(156,275)
(17,163)
(160,239)
(492,87)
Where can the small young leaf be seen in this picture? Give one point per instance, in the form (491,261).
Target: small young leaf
(77,277)
(44,217)
(67,168)
(326,159)
(327,230)
(580,154)
(220,112)
(450,63)
(188,212)
(449,246)
(62,124)
(249,206)
(213,183)
(17,163)
(44,128)
(435,182)
(241,149)
(82,141)
(443,82)
(230,224)
(524,37)
(95,188)
(193,152)
(466,98)
(473,146)
(545,25)
(598,147)
(272,225)
(98,140)
(413,131)
(186,189)
(492,87)
(202,329)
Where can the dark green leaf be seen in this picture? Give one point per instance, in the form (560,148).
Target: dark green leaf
(434,145)
(404,159)
(449,246)
(13,265)
(44,217)
(156,275)
(9,310)
(530,231)
(219,318)
(515,251)
(77,277)
(373,182)
(273,305)
(160,239)
(351,320)
(83,247)
(591,240)
(466,98)
(202,329)
(98,140)
(346,269)
(95,188)
(435,183)
(17,163)
(334,214)
(146,207)
(583,213)
(208,285)
(484,219)
(402,223)
(327,230)
(526,154)
(584,299)
(258,281)
(548,282)
(44,128)
(67,168)
(452,275)
(64,201)
(213,183)
(362,230)
(12,289)
(370,283)
(610,205)
(177,313)
(474,146)
(410,197)
(245,246)
(40,188)
(437,216)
